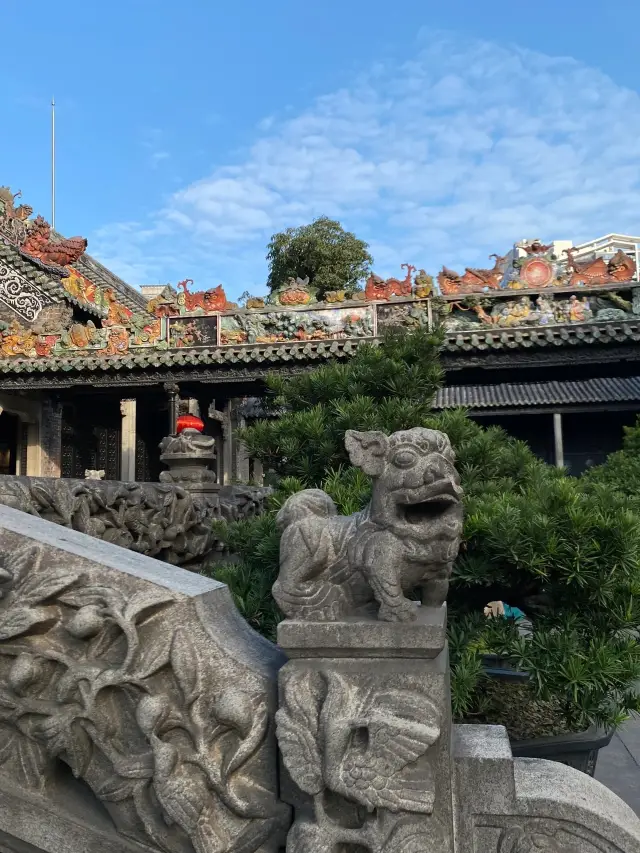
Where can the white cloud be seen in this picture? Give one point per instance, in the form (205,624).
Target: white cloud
(444,159)
(157,157)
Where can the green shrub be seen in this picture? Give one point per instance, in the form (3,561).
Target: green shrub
(566,552)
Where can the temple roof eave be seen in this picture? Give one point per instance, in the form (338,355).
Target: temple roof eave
(145,358)
(44,277)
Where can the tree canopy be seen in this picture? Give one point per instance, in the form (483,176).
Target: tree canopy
(330,257)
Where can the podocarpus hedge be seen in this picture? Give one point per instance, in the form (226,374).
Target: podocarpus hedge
(567,555)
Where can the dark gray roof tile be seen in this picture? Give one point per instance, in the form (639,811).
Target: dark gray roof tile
(514,395)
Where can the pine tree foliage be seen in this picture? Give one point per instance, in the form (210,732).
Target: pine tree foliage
(566,551)
(386,388)
(621,471)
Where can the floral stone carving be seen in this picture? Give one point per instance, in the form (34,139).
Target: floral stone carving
(360,749)
(362,742)
(158,520)
(333,566)
(518,840)
(129,678)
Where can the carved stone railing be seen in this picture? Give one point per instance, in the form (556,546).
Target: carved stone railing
(159,520)
(143,683)
(137,709)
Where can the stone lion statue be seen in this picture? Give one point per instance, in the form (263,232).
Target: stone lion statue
(333,566)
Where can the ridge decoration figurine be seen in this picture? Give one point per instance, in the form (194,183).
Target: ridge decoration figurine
(379,288)
(40,245)
(333,566)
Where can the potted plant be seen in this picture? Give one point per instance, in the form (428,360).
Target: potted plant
(569,556)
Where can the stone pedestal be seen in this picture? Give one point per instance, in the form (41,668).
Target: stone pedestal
(364,731)
(188,457)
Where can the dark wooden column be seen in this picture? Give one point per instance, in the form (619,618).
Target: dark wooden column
(51,437)
(174,403)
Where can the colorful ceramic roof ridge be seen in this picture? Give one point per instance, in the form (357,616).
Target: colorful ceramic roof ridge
(61,259)
(530,299)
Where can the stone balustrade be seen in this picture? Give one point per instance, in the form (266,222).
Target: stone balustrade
(161,520)
(138,712)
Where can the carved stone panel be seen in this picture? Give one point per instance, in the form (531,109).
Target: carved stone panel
(19,294)
(363,729)
(523,805)
(144,683)
(363,743)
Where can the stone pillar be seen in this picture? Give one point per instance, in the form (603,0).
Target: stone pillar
(173,392)
(128,441)
(33,450)
(365,681)
(558,443)
(258,473)
(227,444)
(242,457)
(51,438)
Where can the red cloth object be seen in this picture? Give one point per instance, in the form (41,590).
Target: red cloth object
(189,422)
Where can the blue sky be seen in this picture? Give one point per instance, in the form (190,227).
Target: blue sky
(187,133)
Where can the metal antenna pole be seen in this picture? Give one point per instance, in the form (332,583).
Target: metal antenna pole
(53,163)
